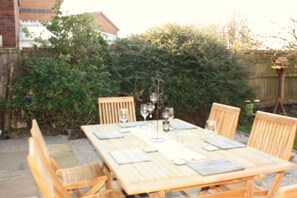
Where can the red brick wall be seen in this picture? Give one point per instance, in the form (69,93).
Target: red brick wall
(9,23)
(106,24)
(36,10)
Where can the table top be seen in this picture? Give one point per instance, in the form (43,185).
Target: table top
(155,171)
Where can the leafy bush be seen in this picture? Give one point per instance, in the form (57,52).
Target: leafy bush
(196,68)
(63,77)
(53,92)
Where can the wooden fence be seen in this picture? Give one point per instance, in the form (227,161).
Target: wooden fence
(8,59)
(264,79)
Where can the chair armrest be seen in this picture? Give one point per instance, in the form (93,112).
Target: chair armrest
(54,164)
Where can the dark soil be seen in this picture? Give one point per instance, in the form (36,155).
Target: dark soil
(290,109)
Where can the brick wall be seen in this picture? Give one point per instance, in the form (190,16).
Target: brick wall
(36,10)
(106,24)
(9,23)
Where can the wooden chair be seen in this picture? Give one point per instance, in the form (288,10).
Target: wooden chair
(226,118)
(73,178)
(273,134)
(287,192)
(47,181)
(109,109)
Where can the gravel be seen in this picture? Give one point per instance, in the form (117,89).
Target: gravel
(86,153)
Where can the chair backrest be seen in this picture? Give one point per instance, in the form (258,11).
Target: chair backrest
(45,177)
(109,109)
(273,134)
(38,138)
(287,191)
(226,118)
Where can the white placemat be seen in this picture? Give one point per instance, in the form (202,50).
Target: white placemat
(225,143)
(131,124)
(129,156)
(214,167)
(103,135)
(182,125)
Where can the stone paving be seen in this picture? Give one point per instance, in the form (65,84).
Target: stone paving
(16,180)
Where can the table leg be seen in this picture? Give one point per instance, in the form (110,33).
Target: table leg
(106,172)
(160,194)
(250,188)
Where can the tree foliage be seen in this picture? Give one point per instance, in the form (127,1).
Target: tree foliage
(196,68)
(237,35)
(64,76)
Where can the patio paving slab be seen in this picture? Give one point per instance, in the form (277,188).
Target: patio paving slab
(16,180)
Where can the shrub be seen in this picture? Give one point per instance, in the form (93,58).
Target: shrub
(63,76)
(196,68)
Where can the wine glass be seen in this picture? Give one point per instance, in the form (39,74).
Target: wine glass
(210,128)
(180,145)
(171,113)
(124,116)
(144,111)
(166,114)
(150,108)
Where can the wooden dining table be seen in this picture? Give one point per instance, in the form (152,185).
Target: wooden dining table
(186,158)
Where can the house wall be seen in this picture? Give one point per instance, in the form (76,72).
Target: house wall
(106,24)
(9,16)
(36,10)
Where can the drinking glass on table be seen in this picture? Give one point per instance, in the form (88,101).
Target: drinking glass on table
(166,114)
(144,111)
(179,149)
(171,113)
(124,116)
(210,129)
(151,108)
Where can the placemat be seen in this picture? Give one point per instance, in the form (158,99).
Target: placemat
(131,124)
(182,125)
(225,143)
(214,167)
(103,135)
(129,156)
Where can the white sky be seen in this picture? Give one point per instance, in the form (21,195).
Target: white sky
(136,16)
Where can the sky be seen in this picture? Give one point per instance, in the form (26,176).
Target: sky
(137,16)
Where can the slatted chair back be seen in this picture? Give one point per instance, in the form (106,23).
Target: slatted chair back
(273,134)
(287,192)
(38,139)
(226,118)
(109,109)
(45,177)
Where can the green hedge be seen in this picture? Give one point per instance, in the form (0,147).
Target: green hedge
(196,68)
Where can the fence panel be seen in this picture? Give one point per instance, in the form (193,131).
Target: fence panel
(264,79)
(8,58)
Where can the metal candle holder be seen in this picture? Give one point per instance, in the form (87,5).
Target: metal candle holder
(156,98)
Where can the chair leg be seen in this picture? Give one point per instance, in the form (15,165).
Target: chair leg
(77,192)
(203,191)
(275,184)
(106,172)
